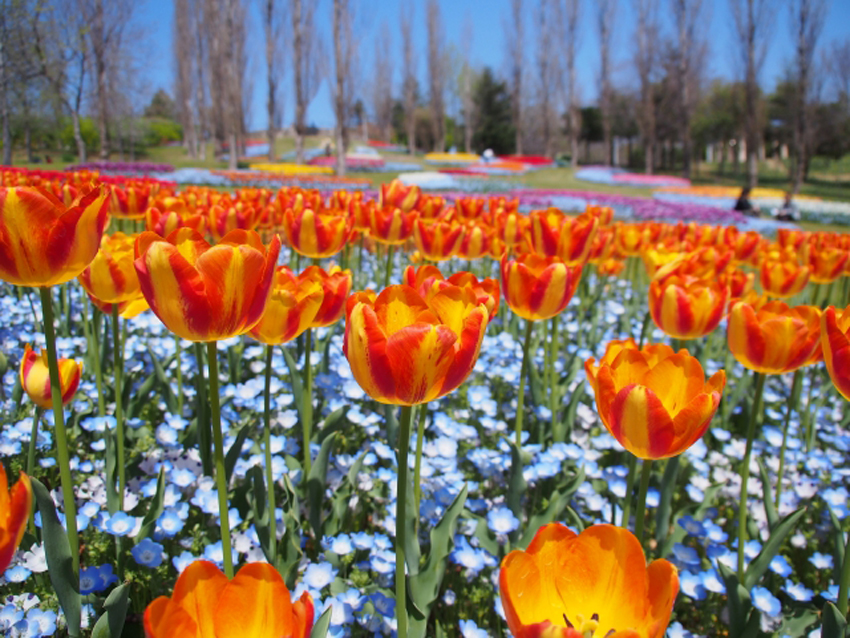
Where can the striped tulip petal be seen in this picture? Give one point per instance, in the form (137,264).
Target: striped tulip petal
(15,508)
(35,378)
(111,277)
(835,339)
(536,287)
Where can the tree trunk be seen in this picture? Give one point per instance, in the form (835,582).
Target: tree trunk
(298,65)
(78,137)
(4,103)
(340,88)
(270,73)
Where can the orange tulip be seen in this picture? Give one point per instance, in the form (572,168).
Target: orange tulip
(686,307)
(475,241)
(655,402)
(597,583)
(35,378)
(783,277)
(437,241)
(742,245)
(111,276)
(131,200)
(512,228)
(391,225)
(740,282)
(827,263)
(427,280)
(15,508)
(126,309)
(398,195)
(291,308)
(610,267)
(317,234)
(221,219)
(835,339)
(775,338)
(202,292)
(538,287)
(45,243)
(554,234)
(431,207)
(205,604)
(470,208)
(336,286)
(629,238)
(165,223)
(405,350)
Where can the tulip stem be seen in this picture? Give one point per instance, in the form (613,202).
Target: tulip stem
(745,473)
(118,356)
(220,477)
(844,582)
(522,374)
(640,508)
(178,357)
(553,380)
(36,417)
(389,268)
(793,402)
(307,401)
(401,518)
(267,441)
(98,373)
(417,467)
(630,486)
(62,455)
(203,421)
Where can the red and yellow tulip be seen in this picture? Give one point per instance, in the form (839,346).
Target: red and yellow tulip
(317,234)
(45,243)
(775,338)
(686,307)
(536,287)
(111,276)
(35,378)
(397,195)
(835,340)
(203,292)
(165,223)
(437,241)
(15,508)
(597,583)
(255,604)
(391,225)
(655,402)
(427,280)
(336,287)
(222,219)
(783,277)
(554,234)
(406,350)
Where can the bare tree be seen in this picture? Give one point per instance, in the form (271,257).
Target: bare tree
(753,22)
(306,48)
(465,85)
(839,65)
(606,10)
(546,69)
(569,33)
(514,43)
(807,18)
(409,76)
(688,20)
(272,19)
(436,73)
(184,89)
(646,62)
(382,87)
(341,23)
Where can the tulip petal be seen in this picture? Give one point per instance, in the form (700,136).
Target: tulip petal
(197,592)
(255,604)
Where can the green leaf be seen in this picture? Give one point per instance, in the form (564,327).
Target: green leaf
(60,566)
(234,451)
(568,423)
(516,482)
(111,623)
(294,380)
(743,618)
(558,502)
(261,511)
(154,511)
(334,422)
(798,625)
(135,404)
(834,624)
(425,586)
(412,551)
(392,425)
(316,485)
(777,536)
(665,505)
(320,629)
(769,507)
(111,461)
(164,379)
(838,545)
(485,540)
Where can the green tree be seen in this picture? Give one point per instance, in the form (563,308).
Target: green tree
(493,127)
(161,106)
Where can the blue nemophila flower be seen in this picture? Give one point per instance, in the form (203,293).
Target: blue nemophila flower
(780,565)
(821,561)
(691,585)
(502,520)
(692,526)
(170,522)
(17,574)
(148,553)
(9,616)
(340,544)
(41,623)
(319,575)
(468,629)
(384,605)
(120,524)
(766,602)
(712,582)
(799,592)
(214,553)
(182,561)
(89,580)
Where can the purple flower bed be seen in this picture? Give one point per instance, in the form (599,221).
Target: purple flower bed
(124,168)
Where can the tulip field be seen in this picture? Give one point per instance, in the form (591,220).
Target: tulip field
(255,412)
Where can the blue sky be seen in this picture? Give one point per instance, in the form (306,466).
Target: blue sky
(485,19)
